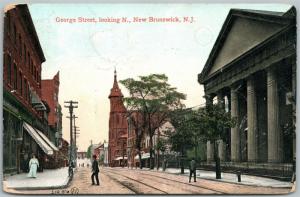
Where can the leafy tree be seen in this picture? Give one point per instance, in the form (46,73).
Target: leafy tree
(153,98)
(187,131)
(89,152)
(215,120)
(161,145)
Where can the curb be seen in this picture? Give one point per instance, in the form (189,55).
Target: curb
(66,184)
(221,180)
(236,183)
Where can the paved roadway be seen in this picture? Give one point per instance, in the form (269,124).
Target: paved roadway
(125,181)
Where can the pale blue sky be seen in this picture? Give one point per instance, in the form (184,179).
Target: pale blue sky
(86,53)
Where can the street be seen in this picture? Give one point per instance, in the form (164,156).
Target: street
(135,181)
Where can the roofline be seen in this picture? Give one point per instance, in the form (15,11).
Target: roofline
(240,13)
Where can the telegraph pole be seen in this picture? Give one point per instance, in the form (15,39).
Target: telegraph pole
(75,144)
(71,105)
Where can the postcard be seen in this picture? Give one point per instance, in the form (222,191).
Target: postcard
(149,99)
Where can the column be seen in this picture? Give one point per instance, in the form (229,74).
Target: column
(221,145)
(209,145)
(274,145)
(209,151)
(235,134)
(251,120)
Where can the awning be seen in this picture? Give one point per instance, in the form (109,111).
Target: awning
(144,156)
(38,139)
(119,158)
(47,140)
(37,102)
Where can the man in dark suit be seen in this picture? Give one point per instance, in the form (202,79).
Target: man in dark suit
(95,170)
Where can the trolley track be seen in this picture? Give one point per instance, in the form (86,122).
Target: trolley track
(130,185)
(209,190)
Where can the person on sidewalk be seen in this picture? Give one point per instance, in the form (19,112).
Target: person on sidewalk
(95,170)
(33,166)
(192,170)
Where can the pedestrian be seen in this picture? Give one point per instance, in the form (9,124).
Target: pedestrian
(192,170)
(33,166)
(95,170)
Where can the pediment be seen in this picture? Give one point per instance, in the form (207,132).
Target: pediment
(243,35)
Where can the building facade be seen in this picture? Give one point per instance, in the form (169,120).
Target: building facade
(117,127)
(50,93)
(24,113)
(252,69)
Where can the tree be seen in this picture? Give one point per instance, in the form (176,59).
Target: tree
(215,120)
(187,131)
(89,152)
(153,98)
(160,146)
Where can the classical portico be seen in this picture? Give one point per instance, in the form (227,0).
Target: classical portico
(252,66)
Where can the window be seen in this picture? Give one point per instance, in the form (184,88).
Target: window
(9,69)
(21,85)
(8,22)
(15,34)
(25,88)
(28,93)
(34,72)
(15,77)
(25,53)
(20,45)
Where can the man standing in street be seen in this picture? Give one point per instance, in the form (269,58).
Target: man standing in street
(95,170)
(192,169)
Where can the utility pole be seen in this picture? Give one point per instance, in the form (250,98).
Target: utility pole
(71,105)
(75,144)
(75,140)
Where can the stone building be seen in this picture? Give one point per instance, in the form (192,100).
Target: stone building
(117,127)
(50,92)
(252,69)
(25,125)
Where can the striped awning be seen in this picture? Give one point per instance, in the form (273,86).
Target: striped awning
(38,139)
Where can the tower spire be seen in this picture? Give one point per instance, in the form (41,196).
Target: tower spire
(115,75)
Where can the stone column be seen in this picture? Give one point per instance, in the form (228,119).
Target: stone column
(274,144)
(209,145)
(251,120)
(221,146)
(209,151)
(235,134)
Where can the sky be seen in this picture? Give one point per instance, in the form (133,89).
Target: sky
(86,53)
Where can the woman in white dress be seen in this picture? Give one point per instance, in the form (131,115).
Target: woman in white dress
(33,166)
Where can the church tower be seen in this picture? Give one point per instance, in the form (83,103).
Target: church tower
(117,126)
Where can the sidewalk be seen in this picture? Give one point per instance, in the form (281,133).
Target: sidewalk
(48,179)
(231,178)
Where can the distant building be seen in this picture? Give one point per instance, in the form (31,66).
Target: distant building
(252,68)
(117,142)
(24,113)
(132,151)
(81,155)
(50,91)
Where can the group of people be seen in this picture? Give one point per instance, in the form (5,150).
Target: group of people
(34,164)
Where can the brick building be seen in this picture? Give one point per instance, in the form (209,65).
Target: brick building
(117,126)
(24,113)
(50,91)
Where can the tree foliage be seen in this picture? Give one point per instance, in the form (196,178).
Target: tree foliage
(153,98)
